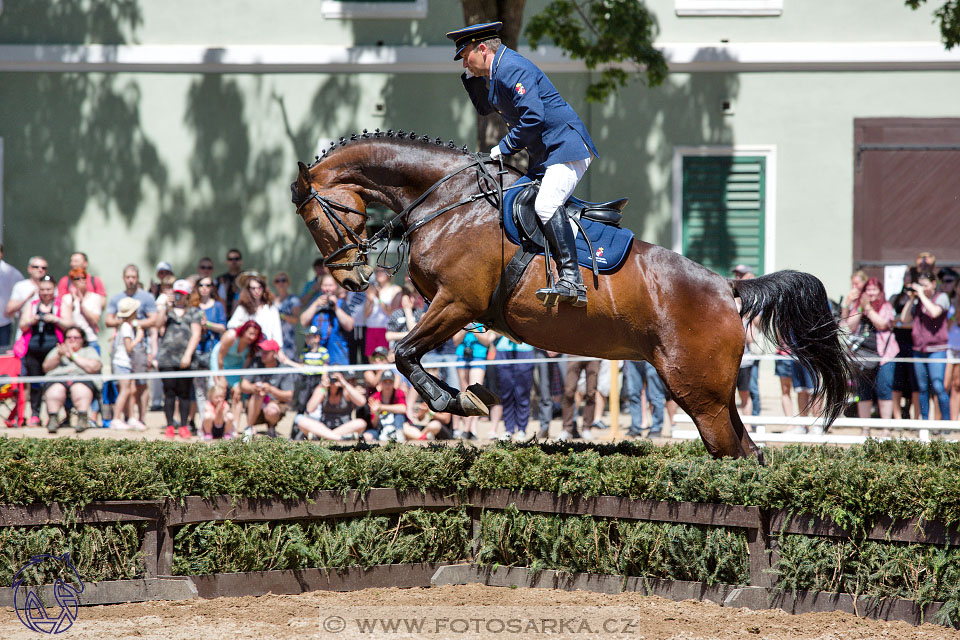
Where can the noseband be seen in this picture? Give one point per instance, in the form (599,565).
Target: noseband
(329,207)
(494,195)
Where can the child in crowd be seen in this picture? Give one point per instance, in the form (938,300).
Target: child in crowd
(129,338)
(218,420)
(423,423)
(388,408)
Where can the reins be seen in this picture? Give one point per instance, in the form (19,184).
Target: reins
(493,194)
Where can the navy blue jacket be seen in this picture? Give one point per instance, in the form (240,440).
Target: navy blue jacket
(539,120)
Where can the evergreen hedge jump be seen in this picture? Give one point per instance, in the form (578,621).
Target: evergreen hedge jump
(877,520)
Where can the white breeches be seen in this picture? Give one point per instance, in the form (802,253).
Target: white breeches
(557,186)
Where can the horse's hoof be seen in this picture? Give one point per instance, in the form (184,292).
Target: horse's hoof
(471,405)
(483,394)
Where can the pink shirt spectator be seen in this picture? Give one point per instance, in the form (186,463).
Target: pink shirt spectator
(94,284)
(398,397)
(887,346)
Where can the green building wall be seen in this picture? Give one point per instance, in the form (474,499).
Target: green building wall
(165,165)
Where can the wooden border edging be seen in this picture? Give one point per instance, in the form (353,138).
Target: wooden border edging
(723,594)
(332,504)
(258,583)
(121,591)
(619,507)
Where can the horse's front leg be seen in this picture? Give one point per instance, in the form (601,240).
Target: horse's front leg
(439,323)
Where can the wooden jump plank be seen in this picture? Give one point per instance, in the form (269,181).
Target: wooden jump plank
(886,529)
(120,591)
(109,511)
(720,515)
(326,504)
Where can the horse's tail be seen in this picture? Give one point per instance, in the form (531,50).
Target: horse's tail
(794,312)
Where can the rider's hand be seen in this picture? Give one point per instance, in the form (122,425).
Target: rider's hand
(495,152)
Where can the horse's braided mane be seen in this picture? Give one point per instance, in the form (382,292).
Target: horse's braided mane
(391,134)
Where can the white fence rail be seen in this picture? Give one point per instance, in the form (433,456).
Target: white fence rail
(923,427)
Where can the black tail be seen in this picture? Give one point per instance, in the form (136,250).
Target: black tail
(795,312)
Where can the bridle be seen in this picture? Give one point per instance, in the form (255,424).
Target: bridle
(490,186)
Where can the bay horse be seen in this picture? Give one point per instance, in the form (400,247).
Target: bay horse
(659,306)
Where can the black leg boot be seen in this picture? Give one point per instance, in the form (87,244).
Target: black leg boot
(570,287)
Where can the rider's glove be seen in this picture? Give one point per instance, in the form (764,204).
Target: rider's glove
(495,152)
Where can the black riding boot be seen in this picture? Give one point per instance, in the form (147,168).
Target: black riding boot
(569,288)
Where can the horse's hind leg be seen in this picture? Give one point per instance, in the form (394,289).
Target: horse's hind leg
(745,440)
(705,390)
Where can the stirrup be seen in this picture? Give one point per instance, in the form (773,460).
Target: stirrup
(549,296)
(574,294)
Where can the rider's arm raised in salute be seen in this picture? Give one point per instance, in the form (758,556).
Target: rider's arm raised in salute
(477,90)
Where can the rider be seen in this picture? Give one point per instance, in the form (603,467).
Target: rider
(540,121)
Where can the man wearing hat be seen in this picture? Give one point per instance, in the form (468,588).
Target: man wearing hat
(164,270)
(540,121)
(388,408)
(270,393)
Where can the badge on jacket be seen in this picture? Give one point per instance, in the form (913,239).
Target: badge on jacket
(520,89)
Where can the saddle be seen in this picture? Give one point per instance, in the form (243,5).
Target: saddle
(602,245)
(528,223)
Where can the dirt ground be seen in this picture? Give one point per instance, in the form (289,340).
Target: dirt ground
(468,611)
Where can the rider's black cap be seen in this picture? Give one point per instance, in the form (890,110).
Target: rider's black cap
(474,33)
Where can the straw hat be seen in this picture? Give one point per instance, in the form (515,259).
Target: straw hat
(127,307)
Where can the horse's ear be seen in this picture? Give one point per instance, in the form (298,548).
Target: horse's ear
(304,176)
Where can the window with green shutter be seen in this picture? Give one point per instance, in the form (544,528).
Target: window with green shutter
(723,211)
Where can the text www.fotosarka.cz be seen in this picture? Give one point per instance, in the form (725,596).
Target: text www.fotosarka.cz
(476,621)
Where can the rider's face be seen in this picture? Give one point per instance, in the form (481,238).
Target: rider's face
(474,59)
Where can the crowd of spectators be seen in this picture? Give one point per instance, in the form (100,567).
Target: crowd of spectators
(243,320)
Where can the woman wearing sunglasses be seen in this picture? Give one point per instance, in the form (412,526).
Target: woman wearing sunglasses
(289,307)
(42,324)
(73,357)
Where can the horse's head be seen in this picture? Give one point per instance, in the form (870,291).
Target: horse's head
(337,220)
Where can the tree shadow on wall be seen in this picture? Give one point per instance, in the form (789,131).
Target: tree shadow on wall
(75,139)
(71,22)
(235,173)
(642,131)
